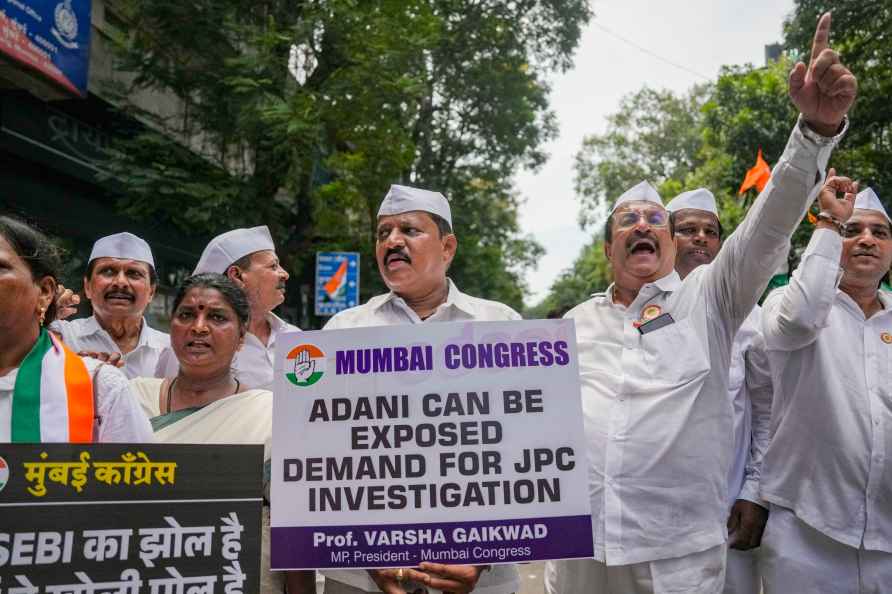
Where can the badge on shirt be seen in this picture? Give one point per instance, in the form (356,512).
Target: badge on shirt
(650,312)
(886,337)
(656,323)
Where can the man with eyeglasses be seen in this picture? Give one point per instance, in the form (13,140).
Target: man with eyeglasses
(654,354)
(828,470)
(697,233)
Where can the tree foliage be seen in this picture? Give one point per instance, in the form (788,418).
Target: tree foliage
(444,94)
(862,33)
(707,137)
(590,273)
(655,135)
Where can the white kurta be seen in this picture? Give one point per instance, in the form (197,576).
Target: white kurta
(390,310)
(830,458)
(797,558)
(749,389)
(253,364)
(85,334)
(120,417)
(657,416)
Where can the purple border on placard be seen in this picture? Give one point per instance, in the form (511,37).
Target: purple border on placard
(567,537)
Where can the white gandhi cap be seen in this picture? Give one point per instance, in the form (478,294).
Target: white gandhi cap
(699,199)
(125,246)
(868,200)
(400,199)
(642,192)
(228,247)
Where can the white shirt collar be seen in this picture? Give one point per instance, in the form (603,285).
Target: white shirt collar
(670,282)
(454,298)
(146,333)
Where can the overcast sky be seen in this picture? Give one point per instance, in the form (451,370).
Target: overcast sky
(700,35)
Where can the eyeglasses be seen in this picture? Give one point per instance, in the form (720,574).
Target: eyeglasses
(629,218)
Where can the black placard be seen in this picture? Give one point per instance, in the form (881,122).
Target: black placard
(129,518)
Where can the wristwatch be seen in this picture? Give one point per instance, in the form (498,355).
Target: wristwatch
(829,218)
(822,140)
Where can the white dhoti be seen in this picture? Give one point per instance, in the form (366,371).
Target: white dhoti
(798,558)
(742,574)
(697,573)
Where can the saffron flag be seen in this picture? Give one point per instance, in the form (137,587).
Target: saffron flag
(756,177)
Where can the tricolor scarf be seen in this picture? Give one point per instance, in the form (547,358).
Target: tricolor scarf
(53,396)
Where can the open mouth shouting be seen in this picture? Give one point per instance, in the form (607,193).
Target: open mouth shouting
(641,246)
(396,259)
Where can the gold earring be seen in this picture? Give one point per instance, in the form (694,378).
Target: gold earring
(42,311)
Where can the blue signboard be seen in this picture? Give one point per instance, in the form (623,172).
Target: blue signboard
(49,36)
(337,282)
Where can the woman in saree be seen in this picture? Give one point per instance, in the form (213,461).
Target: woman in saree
(47,392)
(206,403)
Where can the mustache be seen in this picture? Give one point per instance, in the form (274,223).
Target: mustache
(641,238)
(118,294)
(398,252)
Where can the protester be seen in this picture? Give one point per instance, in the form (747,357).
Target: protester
(414,247)
(248,258)
(827,471)
(205,403)
(697,233)
(120,282)
(654,354)
(47,392)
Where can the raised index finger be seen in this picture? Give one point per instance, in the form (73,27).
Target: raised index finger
(822,37)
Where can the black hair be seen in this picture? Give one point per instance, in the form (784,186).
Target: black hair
(672,224)
(153,276)
(231,292)
(39,253)
(242,263)
(443,225)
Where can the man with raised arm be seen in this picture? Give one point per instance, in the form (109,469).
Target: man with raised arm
(654,354)
(697,233)
(828,470)
(414,247)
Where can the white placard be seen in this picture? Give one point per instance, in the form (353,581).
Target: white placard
(453,442)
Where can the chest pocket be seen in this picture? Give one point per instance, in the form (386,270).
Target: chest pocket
(675,353)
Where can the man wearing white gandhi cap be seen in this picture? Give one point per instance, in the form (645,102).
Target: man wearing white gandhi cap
(654,354)
(248,258)
(828,470)
(697,232)
(120,283)
(414,247)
